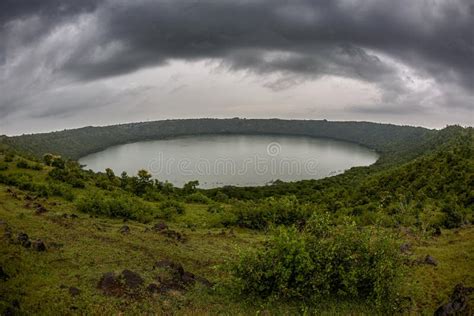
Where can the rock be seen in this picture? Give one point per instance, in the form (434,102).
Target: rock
(74,291)
(188,278)
(29,198)
(172,234)
(458,304)
(39,245)
(153,288)
(430,260)
(180,276)
(160,227)
(124,229)
(437,232)
(24,240)
(3,275)
(405,248)
(74,216)
(128,282)
(132,280)
(40,209)
(204,281)
(110,285)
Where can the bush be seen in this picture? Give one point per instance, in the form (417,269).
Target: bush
(323,261)
(9,157)
(171,208)
(215,209)
(115,205)
(198,198)
(285,210)
(62,190)
(22,164)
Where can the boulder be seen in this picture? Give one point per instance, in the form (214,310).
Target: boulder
(430,260)
(124,229)
(405,248)
(40,209)
(132,280)
(160,227)
(74,291)
(39,245)
(3,275)
(458,304)
(110,285)
(24,240)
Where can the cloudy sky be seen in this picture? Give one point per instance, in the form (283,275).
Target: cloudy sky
(71,63)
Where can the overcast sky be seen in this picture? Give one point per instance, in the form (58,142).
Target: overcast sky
(72,63)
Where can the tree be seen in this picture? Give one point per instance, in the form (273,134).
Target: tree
(190,187)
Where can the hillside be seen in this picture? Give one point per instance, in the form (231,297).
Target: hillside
(76,143)
(395,238)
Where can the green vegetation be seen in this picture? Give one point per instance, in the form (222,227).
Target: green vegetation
(395,237)
(324,261)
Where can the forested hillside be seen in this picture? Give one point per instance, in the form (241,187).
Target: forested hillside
(77,143)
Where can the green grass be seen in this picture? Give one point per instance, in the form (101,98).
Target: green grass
(88,247)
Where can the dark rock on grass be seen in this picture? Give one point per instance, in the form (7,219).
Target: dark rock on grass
(405,248)
(40,209)
(74,216)
(124,229)
(204,281)
(29,198)
(111,285)
(172,234)
(39,245)
(160,227)
(430,260)
(153,288)
(24,240)
(74,291)
(128,282)
(180,276)
(3,275)
(458,304)
(132,280)
(437,232)
(176,267)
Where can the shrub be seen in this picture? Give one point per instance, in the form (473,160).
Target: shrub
(171,208)
(62,190)
(215,209)
(9,157)
(323,261)
(115,205)
(22,164)
(198,198)
(285,210)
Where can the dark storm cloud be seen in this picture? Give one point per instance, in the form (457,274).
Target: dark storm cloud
(299,39)
(319,37)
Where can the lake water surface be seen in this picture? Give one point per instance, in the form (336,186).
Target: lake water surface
(242,160)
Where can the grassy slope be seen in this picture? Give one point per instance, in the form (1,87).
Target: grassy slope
(87,247)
